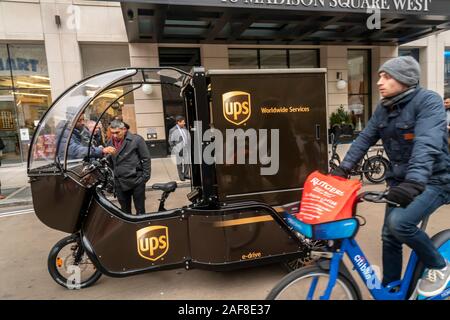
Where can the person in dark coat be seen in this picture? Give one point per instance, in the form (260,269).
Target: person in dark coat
(132,167)
(411,122)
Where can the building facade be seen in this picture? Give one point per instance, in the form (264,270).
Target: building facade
(48,45)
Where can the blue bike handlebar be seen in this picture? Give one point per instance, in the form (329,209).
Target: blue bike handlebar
(376,197)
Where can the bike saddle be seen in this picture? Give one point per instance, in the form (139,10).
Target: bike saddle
(166,187)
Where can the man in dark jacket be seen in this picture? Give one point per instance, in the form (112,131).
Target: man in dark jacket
(132,167)
(411,122)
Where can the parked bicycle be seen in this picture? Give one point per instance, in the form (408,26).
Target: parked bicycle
(372,167)
(330,279)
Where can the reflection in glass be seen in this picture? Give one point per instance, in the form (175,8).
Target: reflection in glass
(273,59)
(9,128)
(303,58)
(243,58)
(31,105)
(27,95)
(5,71)
(359,85)
(413,52)
(29,66)
(56,127)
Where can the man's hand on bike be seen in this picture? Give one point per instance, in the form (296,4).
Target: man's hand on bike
(340,172)
(405,192)
(109,150)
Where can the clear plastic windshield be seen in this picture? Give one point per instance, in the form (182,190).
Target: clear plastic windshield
(52,135)
(89,136)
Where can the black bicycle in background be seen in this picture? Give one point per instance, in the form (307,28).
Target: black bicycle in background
(372,167)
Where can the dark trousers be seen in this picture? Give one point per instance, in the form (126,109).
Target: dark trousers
(138,195)
(184,171)
(400,227)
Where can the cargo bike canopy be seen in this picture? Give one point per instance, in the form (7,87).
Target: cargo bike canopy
(54,147)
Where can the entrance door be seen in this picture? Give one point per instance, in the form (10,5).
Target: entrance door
(184,59)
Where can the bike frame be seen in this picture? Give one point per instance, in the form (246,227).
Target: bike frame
(368,275)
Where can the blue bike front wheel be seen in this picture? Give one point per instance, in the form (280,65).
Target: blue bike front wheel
(310,283)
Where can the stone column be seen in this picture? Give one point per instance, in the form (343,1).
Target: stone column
(214,56)
(61,46)
(443,40)
(428,63)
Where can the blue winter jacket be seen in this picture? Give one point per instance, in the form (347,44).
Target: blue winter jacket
(414,135)
(78,144)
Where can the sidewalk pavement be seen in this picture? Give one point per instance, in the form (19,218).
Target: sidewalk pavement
(15,186)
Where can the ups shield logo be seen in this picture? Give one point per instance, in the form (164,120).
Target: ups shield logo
(236,107)
(153,242)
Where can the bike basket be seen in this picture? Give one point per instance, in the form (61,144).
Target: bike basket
(334,230)
(327,198)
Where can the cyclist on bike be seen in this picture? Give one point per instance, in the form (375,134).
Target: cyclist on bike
(411,122)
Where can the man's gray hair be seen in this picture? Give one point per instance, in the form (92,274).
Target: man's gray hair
(117,124)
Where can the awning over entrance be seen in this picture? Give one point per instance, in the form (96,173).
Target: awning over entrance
(287,22)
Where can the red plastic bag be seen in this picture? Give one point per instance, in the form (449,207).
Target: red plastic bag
(327,198)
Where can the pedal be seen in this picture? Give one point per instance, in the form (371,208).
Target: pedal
(194,195)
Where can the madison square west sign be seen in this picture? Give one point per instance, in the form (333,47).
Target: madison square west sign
(398,5)
(292,22)
(437,7)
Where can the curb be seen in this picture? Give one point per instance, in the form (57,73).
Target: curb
(7,203)
(16,203)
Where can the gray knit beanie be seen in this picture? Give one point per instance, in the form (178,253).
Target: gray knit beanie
(404,69)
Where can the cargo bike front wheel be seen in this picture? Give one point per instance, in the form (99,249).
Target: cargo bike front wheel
(69,265)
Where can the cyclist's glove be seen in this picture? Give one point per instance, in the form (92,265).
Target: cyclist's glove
(340,172)
(405,192)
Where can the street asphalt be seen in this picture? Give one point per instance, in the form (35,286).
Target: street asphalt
(25,243)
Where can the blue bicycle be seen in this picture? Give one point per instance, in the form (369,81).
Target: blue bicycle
(329,279)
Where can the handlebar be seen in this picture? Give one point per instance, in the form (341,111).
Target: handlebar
(376,197)
(104,176)
(98,163)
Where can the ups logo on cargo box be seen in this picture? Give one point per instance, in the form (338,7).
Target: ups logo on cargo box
(153,242)
(236,107)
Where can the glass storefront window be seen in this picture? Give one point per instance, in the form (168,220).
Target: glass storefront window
(29,67)
(243,58)
(273,59)
(447,73)
(24,96)
(101,57)
(9,132)
(359,84)
(413,52)
(5,72)
(303,58)
(31,106)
